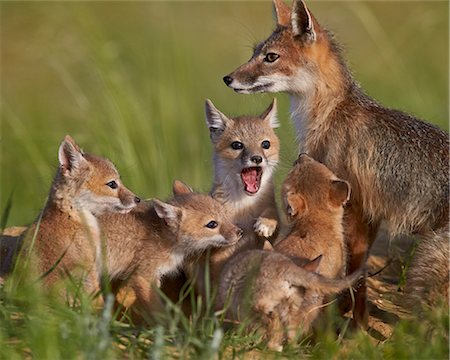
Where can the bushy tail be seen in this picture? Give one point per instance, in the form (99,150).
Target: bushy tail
(427,281)
(298,276)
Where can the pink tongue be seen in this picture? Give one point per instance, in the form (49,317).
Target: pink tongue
(250,178)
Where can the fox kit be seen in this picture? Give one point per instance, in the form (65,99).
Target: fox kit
(282,297)
(154,241)
(396,164)
(67,234)
(245,156)
(314,200)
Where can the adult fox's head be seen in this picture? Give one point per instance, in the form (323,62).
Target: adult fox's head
(295,58)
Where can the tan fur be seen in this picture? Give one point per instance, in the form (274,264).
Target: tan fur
(67,229)
(268,290)
(262,283)
(314,197)
(153,242)
(397,165)
(256,214)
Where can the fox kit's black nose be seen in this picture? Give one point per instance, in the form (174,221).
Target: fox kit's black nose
(256,159)
(227,80)
(137,200)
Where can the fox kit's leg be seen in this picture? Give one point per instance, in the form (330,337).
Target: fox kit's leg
(266,225)
(274,330)
(141,298)
(360,236)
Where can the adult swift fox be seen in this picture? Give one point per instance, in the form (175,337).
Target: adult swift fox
(67,234)
(246,153)
(396,164)
(155,240)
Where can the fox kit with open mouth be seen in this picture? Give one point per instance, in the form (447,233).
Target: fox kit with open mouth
(246,151)
(67,233)
(156,240)
(397,165)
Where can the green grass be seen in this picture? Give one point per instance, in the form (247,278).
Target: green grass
(128,81)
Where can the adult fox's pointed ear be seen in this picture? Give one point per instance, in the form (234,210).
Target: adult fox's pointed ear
(271,114)
(302,22)
(282,12)
(215,120)
(70,156)
(180,188)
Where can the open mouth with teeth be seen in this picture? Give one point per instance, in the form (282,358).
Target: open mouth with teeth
(251,178)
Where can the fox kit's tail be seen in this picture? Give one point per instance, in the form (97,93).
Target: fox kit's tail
(298,276)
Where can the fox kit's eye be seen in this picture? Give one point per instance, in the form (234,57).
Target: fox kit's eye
(112,184)
(265,144)
(212,224)
(237,145)
(271,57)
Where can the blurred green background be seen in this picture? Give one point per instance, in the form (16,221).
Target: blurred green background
(128,81)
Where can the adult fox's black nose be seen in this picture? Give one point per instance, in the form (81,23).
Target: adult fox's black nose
(227,80)
(137,200)
(256,159)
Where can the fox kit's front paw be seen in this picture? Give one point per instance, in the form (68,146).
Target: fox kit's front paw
(265,227)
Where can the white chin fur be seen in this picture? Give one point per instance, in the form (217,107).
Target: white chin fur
(98,205)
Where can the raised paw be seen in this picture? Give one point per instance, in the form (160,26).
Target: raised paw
(265,227)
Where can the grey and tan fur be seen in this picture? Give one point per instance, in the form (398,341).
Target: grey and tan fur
(250,204)
(313,199)
(156,240)
(427,283)
(396,164)
(269,291)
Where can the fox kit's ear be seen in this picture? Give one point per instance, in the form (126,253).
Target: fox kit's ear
(296,205)
(180,187)
(339,192)
(215,120)
(282,12)
(70,155)
(271,114)
(302,22)
(313,264)
(170,213)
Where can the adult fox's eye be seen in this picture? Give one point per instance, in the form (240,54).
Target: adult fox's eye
(212,224)
(112,184)
(271,57)
(237,145)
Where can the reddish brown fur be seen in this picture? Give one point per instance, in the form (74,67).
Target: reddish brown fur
(397,165)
